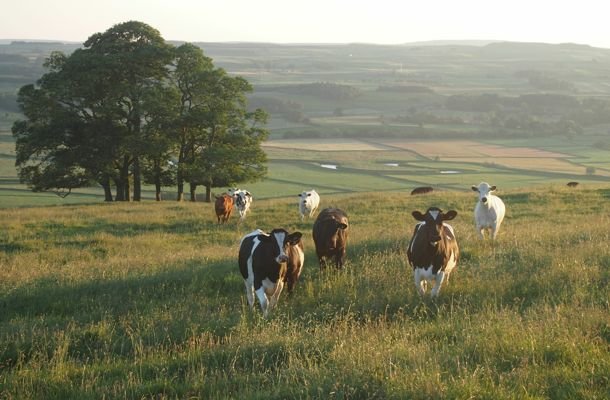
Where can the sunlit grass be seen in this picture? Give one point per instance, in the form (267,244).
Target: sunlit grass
(145,300)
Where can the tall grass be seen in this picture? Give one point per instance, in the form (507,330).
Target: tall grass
(146,301)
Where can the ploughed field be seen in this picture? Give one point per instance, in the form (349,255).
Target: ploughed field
(146,301)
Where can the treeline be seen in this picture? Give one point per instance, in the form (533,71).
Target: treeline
(129,109)
(587,111)
(322,90)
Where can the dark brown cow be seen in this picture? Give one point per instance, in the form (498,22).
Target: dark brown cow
(267,261)
(421,190)
(433,251)
(572,184)
(223,207)
(330,236)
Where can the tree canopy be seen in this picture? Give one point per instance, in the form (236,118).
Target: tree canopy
(129,107)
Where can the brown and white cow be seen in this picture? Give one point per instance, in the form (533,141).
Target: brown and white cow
(223,207)
(330,236)
(267,261)
(433,251)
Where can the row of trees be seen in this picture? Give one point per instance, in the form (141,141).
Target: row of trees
(128,108)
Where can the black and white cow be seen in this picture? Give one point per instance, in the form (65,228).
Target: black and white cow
(433,251)
(243,201)
(267,261)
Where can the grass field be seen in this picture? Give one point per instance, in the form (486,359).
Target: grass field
(146,301)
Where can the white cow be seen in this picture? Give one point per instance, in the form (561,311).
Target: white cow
(489,211)
(308,203)
(243,200)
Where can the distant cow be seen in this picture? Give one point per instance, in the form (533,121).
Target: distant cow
(243,200)
(267,261)
(330,236)
(223,207)
(489,211)
(308,203)
(433,251)
(572,184)
(422,190)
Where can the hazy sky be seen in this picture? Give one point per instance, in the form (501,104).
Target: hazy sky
(316,21)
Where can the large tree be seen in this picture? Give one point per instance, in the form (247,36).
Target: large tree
(98,95)
(219,140)
(129,106)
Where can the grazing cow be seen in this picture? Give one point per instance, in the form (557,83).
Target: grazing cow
(489,211)
(243,200)
(572,184)
(330,236)
(223,207)
(267,261)
(433,251)
(421,190)
(308,203)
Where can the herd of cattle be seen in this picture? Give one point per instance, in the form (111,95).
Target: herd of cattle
(268,261)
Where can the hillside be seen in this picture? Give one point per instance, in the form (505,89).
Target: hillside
(145,301)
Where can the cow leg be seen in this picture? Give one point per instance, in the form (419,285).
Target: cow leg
(262,299)
(276,295)
(440,277)
(481,231)
(250,294)
(420,283)
(495,230)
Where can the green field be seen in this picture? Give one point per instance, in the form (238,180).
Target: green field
(146,301)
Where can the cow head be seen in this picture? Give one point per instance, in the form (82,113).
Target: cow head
(433,223)
(484,191)
(282,240)
(332,232)
(306,197)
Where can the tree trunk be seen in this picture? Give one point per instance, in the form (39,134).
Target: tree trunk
(105,182)
(208,193)
(122,183)
(137,180)
(193,190)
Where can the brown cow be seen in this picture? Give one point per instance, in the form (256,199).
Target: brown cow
(223,207)
(330,236)
(433,251)
(572,184)
(422,190)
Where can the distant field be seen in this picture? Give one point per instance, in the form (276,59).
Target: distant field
(342,165)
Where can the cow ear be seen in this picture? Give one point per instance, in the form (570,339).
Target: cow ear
(300,195)
(474,188)
(418,216)
(308,194)
(341,225)
(449,215)
(294,238)
(492,188)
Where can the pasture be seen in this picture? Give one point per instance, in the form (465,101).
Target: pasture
(146,301)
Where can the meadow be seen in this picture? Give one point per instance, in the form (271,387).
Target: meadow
(146,301)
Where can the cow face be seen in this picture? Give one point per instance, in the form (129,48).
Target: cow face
(433,223)
(484,191)
(282,240)
(305,197)
(333,232)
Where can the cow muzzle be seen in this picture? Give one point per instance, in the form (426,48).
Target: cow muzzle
(282,258)
(484,200)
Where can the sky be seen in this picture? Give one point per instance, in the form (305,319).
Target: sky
(316,21)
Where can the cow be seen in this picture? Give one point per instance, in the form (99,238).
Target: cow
(489,211)
(433,250)
(572,184)
(243,200)
(330,231)
(223,207)
(308,203)
(421,190)
(267,261)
